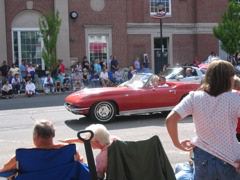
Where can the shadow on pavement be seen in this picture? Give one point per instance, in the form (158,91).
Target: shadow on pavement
(120,122)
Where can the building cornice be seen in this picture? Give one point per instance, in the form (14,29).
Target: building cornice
(173,28)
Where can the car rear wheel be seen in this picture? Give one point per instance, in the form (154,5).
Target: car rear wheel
(103,112)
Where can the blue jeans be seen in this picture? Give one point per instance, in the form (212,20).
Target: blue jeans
(209,167)
(184,171)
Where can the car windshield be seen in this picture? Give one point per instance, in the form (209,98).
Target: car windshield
(137,81)
(172,72)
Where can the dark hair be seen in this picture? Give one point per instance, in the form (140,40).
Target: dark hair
(218,78)
(44,129)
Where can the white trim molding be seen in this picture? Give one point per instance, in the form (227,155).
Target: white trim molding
(173,28)
(98,30)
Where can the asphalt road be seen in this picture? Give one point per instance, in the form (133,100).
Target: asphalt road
(17,117)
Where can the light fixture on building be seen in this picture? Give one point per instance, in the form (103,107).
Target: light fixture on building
(73,15)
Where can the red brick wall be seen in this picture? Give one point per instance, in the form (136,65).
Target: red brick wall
(205,45)
(137,46)
(113,14)
(13,7)
(184,49)
(210,11)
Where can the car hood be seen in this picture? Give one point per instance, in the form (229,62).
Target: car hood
(95,92)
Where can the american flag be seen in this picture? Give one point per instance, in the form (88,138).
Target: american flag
(160,15)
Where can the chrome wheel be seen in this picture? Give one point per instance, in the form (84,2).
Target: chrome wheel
(104,111)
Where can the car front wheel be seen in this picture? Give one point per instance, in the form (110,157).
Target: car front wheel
(103,112)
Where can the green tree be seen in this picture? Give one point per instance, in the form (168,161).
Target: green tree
(49,28)
(228,30)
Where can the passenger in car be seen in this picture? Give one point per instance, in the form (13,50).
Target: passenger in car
(189,72)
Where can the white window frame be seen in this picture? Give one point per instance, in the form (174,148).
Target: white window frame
(19,44)
(168,13)
(105,30)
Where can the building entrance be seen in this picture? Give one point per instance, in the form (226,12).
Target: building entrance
(157,54)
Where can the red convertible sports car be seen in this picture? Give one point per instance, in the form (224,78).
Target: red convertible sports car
(136,96)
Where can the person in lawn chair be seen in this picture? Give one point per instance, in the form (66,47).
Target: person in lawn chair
(101,140)
(43,135)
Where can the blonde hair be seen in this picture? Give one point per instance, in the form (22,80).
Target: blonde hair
(101,134)
(236,85)
(155,80)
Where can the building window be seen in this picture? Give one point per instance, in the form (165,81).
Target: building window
(27,45)
(98,47)
(154,6)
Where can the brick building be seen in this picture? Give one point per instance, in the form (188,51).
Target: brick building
(124,28)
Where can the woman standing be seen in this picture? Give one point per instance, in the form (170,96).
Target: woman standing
(215,110)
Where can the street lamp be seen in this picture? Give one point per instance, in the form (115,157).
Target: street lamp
(159,15)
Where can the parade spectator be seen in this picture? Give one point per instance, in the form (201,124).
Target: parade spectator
(16,83)
(77,80)
(114,64)
(62,68)
(85,77)
(94,79)
(196,62)
(31,70)
(27,77)
(23,69)
(30,88)
(7,90)
(66,83)
(43,138)
(162,82)
(97,66)
(85,63)
(48,84)
(1,82)
(215,110)
(14,70)
(109,63)
(9,77)
(131,72)
(102,63)
(236,87)
(4,69)
(78,67)
(57,83)
(137,66)
(101,140)
(146,63)
(104,78)
(118,76)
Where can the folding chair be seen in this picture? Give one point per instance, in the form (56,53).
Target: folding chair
(39,164)
(144,160)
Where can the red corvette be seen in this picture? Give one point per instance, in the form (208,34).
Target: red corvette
(136,96)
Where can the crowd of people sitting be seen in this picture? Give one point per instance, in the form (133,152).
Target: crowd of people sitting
(101,73)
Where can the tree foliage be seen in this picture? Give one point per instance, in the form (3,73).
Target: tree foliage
(49,28)
(228,29)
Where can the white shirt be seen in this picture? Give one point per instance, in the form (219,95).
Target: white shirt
(7,87)
(163,85)
(104,75)
(46,80)
(215,120)
(30,87)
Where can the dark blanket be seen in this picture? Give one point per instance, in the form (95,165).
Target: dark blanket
(140,160)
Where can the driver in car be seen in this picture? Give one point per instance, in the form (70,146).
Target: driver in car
(162,82)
